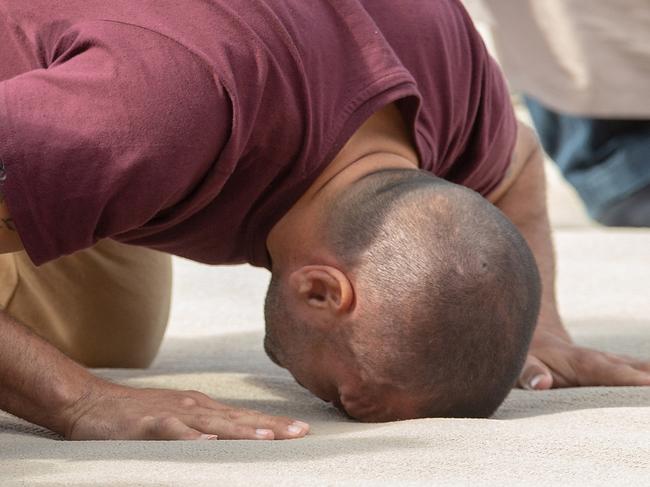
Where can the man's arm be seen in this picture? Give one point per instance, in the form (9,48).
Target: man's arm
(37,382)
(40,384)
(553,360)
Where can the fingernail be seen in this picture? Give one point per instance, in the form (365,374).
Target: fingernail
(297,427)
(534,382)
(260,433)
(209,437)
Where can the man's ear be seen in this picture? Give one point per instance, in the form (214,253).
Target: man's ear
(322,288)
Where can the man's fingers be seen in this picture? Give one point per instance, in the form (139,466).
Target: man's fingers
(283,428)
(603,371)
(226,429)
(171,428)
(535,375)
(211,417)
(633,362)
(643,366)
(242,425)
(554,361)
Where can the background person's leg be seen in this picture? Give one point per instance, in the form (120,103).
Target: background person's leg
(606,160)
(105,307)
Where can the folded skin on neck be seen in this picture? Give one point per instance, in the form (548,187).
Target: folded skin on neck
(382,142)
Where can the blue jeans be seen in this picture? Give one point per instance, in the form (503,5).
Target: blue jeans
(605,160)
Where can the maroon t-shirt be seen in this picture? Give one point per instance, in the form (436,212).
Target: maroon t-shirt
(191,127)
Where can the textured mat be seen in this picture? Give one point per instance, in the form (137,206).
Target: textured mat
(592,436)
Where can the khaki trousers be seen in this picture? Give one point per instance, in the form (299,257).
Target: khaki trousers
(107,306)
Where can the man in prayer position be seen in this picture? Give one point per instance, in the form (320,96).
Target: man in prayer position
(365,152)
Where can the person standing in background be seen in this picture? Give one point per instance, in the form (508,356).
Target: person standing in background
(584,70)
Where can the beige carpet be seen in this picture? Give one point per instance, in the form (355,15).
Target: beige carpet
(596,436)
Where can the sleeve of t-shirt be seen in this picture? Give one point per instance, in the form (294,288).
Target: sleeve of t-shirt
(122,125)
(484,151)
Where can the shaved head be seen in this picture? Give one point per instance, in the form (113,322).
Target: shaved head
(447,296)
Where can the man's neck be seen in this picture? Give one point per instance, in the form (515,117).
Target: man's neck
(382,142)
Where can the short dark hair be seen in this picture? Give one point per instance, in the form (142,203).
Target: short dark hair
(453,286)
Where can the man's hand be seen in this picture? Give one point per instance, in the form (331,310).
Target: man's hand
(555,361)
(40,384)
(112,412)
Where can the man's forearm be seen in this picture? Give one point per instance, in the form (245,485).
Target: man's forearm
(37,382)
(553,359)
(525,204)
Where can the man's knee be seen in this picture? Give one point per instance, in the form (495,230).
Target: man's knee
(105,307)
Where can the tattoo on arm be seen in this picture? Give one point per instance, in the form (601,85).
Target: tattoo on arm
(8,223)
